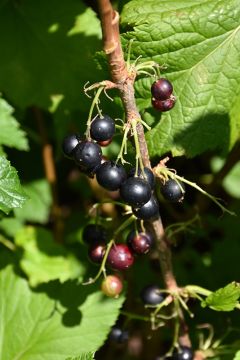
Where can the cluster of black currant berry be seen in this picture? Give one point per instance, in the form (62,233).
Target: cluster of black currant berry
(162,97)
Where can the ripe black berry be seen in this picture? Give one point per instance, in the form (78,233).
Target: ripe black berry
(148,175)
(111,176)
(96,252)
(173,191)
(120,257)
(118,335)
(148,211)
(164,105)
(139,242)
(102,128)
(183,353)
(112,286)
(161,89)
(93,233)
(88,155)
(69,144)
(135,191)
(151,295)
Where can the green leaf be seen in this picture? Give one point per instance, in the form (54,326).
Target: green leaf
(11,135)
(87,356)
(11,193)
(199,42)
(224,299)
(73,322)
(37,207)
(43,259)
(237,356)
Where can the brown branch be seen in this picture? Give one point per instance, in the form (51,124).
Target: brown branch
(50,173)
(125,82)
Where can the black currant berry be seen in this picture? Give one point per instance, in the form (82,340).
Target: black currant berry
(120,257)
(111,176)
(139,242)
(163,105)
(96,252)
(88,155)
(118,335)
(104,143)
(148,175)
(151,295)
(102,128)
(173,191)
(148,211)
(135,191)
(93,233)
(161,89)
(69,144)
(112,286)
(183,353)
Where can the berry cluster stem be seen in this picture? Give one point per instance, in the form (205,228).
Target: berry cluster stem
(125,83)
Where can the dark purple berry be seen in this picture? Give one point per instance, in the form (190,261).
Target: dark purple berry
(112,286)
(69,144)
(148,175)
(151,295)
(93,233)
(148,211)
(161,89)
(163,105)
(135,191)
(111,176)
(96,252)
(102,128)
(120,257)
(88,155)
(118,335)
(183,353)
(104,143)
(173,191)
(139,242)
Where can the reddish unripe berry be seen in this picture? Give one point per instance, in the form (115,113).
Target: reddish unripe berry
(161,89)
(104,142)
(96,252)
(112,286)
(164,105)
(139,242)
(120,257)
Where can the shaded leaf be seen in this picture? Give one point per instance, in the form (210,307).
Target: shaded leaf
(199,42)
(43,259)
(224,299)
(11,192)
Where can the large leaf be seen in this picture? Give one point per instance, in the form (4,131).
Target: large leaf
(11,192)
(224,299)
(43,259)
(37,207)
(11,135)
(237,356)
(199,42)
(86,356)
(35,327)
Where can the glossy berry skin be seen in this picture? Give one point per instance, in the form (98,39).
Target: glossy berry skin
(161,89)
(135,191)
(118,335)
(111,176)
(148,175)
(164,105)
(120,257)
(112,286)
(93,233)
(139,242)
(102,128)
(172,191)
(88,155)
(69,144)
(148,211)
(183,353)
(96,252)
(104,143)
(151,295)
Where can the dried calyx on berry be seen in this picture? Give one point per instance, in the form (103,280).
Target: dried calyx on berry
(139,242)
